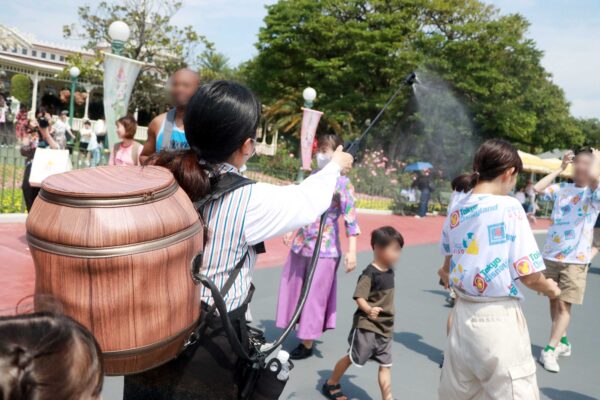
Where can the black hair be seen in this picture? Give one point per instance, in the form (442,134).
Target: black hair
(382,237)
(491,160)
(330,139)
(219,119)
(584,150)
(461,183)
(46,356)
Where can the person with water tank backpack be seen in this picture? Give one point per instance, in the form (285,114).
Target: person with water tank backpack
(221,121)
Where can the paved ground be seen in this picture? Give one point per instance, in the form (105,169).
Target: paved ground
(420,326)
(419,337)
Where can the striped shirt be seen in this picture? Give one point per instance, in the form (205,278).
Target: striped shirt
(252,214)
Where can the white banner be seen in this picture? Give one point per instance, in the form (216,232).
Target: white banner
(120,74)
(310,121)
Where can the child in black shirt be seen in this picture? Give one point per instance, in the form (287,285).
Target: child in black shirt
(373,324)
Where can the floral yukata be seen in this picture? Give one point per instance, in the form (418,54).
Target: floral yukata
(319,313)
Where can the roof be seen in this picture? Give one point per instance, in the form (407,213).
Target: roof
(535,164)
(26,61)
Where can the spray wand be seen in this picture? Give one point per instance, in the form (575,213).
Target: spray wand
(353,146)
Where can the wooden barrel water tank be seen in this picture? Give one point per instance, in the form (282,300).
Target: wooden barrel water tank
(114,246)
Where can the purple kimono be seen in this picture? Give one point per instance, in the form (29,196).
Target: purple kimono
(318,314)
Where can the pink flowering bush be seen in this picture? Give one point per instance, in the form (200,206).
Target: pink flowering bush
(375,174)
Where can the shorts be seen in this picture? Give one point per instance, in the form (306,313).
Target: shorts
(596,239)
(571,279)
(366,345)
(488,353)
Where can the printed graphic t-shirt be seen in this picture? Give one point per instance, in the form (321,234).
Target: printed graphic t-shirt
(491,245)
(574,213)
(377,288)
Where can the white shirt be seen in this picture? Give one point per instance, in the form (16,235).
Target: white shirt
(86,134)
(274,210)
(100,128)
(491,244)
(60,127)
(455,197)
(574,214)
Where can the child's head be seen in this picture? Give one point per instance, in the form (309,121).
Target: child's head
(87,124)
(387,244)
(45,356)
(126,127)
(326,145)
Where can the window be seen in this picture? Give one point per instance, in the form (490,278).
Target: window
(53,56)
(43,54)
(14,50)
(24,52)
(62,58)
(34,53)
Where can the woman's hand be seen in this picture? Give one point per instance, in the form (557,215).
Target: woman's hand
(595,168)
(567,159)
(350,261)
(444,276)
(343,159)
(287,238)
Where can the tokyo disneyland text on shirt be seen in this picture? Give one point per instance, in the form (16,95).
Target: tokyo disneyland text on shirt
(574,213)
(491,245)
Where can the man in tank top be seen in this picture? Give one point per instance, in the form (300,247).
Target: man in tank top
(166,131)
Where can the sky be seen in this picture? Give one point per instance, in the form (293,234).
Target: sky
(566,30)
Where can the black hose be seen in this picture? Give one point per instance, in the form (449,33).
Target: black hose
(303,294)
(225,320)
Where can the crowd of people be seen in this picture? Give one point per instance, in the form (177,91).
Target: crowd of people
(489,250)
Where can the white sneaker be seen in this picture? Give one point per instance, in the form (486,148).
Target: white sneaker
(563,350)
(548,359)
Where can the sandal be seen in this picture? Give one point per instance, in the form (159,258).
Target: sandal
(327,389)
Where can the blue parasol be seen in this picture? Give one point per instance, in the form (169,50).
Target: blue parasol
(418,166)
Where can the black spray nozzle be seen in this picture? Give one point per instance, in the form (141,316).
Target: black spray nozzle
(352,147)
(411,79)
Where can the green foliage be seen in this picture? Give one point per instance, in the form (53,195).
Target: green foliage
(590,129)
(20,87)
(12,201)
(154,39)
(213,65)
(356,52)
(283,165)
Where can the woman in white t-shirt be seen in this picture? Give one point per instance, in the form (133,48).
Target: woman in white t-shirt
(489,248)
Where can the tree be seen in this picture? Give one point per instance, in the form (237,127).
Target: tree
(590,129)
(213,65)
(356,52)
(154,40)
(20,87)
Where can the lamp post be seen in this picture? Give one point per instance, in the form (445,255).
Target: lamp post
(309,94)
(118,32)
(74,72)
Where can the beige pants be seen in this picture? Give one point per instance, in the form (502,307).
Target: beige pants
(488,355)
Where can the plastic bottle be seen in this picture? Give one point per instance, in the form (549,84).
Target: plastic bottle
(283,357)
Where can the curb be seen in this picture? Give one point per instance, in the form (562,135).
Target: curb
(12,218)
(374,212)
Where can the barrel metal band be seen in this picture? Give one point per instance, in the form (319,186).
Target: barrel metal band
(114,251)
(153,346)
(143,198)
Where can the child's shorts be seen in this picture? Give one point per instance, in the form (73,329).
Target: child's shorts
(366,345)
